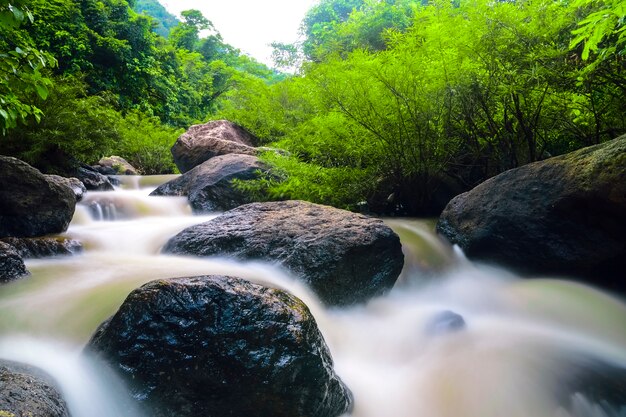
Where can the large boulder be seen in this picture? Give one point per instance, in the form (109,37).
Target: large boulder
(41,247)
(218,346)
(564,215)
(30,203)
(11,263)
(28,391)
(344,257)
(209,185)
(203,142)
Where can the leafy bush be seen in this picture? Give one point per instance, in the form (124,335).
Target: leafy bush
(146,143)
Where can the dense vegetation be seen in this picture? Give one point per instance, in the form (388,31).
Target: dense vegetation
(397,103)
(85,78)
(403,104)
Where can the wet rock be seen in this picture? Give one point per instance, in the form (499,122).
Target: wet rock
(26,391)
(30,203)
(209,185)
(11,264)
(592,386)
(203,142)
(445,322)
(344,257)
(564,215)
(92,179)
(117,165)
(220,346)
(76,185)
(41,247)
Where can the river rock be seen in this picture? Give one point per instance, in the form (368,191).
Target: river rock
(92,179)
(344,257)
(218,346)
(30,203)
(563,215)
(209,185)
(11,263)
(76,185)
(202,142)
(115,165)
(26,391)
(41,247)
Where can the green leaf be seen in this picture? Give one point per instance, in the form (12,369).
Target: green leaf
(42,91)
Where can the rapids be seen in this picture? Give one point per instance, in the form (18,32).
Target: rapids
(527,347)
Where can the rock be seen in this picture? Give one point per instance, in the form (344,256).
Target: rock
(92,179)
(203,142)
(208,186)
(41,247)
(220,346)
(26,391)
(593,384)
(563,215)
(118,165)
(30,203)
(104,170)
(445,322)
(77,187)
(344,257)
(11,264)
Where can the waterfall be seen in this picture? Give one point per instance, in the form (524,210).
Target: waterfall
(518,347)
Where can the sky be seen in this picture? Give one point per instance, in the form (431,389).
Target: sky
(250,25)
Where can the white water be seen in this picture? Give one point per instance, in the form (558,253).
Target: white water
(523,340)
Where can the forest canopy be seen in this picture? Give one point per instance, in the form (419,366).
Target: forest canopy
(395,104)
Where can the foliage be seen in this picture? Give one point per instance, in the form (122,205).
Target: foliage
(165,20)
(21,68)
(122,88)
(420,98)
(292,179)
(145,144)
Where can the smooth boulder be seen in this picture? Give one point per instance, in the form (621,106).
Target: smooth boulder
(31,204)
(203,142)
(11,264)
(209,186)
(345,258)
(564,215)
(76,185)
(218,346)
(26,391)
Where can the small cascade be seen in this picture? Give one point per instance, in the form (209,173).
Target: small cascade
(132,204)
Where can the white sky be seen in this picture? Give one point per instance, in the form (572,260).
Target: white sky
(250,25)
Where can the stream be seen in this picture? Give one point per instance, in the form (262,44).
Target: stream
(524,348)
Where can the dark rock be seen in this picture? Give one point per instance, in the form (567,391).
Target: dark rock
(26,391)
(92,179)
(104,170)
(76,185)
(11,263)
(30,203)
(118,166)
(564,215)
(591,382)
(445,322)
(344,257)
(218,346)
(203,142)
(41,247)
(208,186)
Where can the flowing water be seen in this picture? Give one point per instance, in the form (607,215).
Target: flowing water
(451,339)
